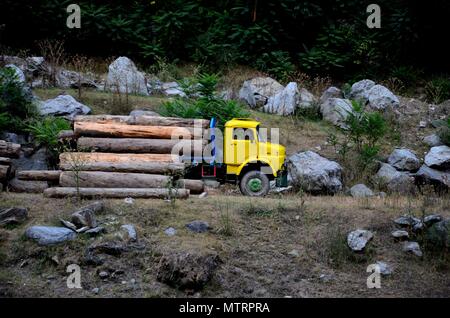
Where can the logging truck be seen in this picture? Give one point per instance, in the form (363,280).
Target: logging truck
(242,156)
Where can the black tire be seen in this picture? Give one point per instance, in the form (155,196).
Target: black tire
(254,183)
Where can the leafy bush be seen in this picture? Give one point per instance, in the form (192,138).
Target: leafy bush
(45,132)
(277,64)
(15,102)
(207,105)
(438,90)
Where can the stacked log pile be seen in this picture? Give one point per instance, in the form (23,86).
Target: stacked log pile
(8,150)
(125,156)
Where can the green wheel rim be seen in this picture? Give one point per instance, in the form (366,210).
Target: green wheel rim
(255,185)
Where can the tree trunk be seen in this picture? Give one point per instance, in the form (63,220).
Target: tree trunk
(96,179)
(39,175)
(79,159)
(144,120)
(9,149)
(139,167)
(154,193)
(132,145)
(5,161)
(4,171)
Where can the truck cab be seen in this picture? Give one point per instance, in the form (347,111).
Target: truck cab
(250,159)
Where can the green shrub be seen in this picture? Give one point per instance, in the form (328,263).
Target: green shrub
(444,133)
(208,105)
(45,132)
(277,64)
(15,102)
(438,90)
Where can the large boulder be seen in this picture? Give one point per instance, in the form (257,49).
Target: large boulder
(331,92)
(257,91)
(336,110)
(285,102)
(72,79)
(314,173)
(20,76)
(12,216)
(438,158)
(403,184)
(49,235)
(427,175)
(387,173)
(432,140)
(63,105)
(376,96)
(305,99)
(439,234)
(124,77)
(187,270)
(404,159)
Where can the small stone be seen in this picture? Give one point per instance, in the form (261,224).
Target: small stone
(103,275)
(406,221)
(198,226)
(12,216)
(422,124)
(361,191)
(294,253)
(95,290)
(96,231)
(326,278)
(129,232)
(431,219)
(68,224)
(400,234)
(132,281)
(203,195)
(55,259)
(412,247)
(129,201)
(385,269)
(170,231)
(357,240)
(83,229)
(419,226)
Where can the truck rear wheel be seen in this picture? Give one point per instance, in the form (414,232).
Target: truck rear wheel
(254,183)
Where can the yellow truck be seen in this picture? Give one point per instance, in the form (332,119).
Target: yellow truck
(242,156)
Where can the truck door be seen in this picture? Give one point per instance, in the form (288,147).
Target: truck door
(244,144)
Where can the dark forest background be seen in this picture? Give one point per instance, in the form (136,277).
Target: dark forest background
(318,37)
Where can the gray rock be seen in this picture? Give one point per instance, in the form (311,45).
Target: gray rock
(141,112)
(294,253)
(24,186)
(85,217)
(387,173)
(203,195)
(305,99)
(171,92)
(404,159)
(13,216)
(198,226)
(170,231)
(336,110)
(284,102)
(49,235)
(361,191)
(438,158)
(95,290)
(433,176)
(431,219)
(186,270)
(358,239)
(63,105)
(385,269)
(412,247)
(14,138)
(68,224)
(169,85)
(400,234)
(439,234)
(129,232)
(72,79)
(406,221)
(124,77)
(103,275)
(432,140)
(331,92)
(109,248)
(419,226)
(380,98)
(257,91)
(314,173)
(359,90)
(96,231)
(404,184)
(20,76)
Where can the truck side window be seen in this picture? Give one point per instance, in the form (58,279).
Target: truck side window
(243,134)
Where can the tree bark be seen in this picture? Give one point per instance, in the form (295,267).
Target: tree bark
(5,161)
(96,179)
(147,193)
(138,167)
(4,171)
(132,145)
(9,149)
(79,159)
(144,120)
(39,175)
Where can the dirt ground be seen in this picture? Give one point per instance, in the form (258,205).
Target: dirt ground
(280,246)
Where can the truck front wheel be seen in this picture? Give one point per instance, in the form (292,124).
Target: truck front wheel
(255,184)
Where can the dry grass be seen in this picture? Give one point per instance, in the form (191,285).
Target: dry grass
(255,249)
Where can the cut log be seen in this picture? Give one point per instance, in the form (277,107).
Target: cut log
(66,134)
(132,145)
(5,161)
(39,175)
(4,171)
(96,179)
(79,159)
(135,131)
(142,167)
(9,149)
(144,120)
(154,193)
